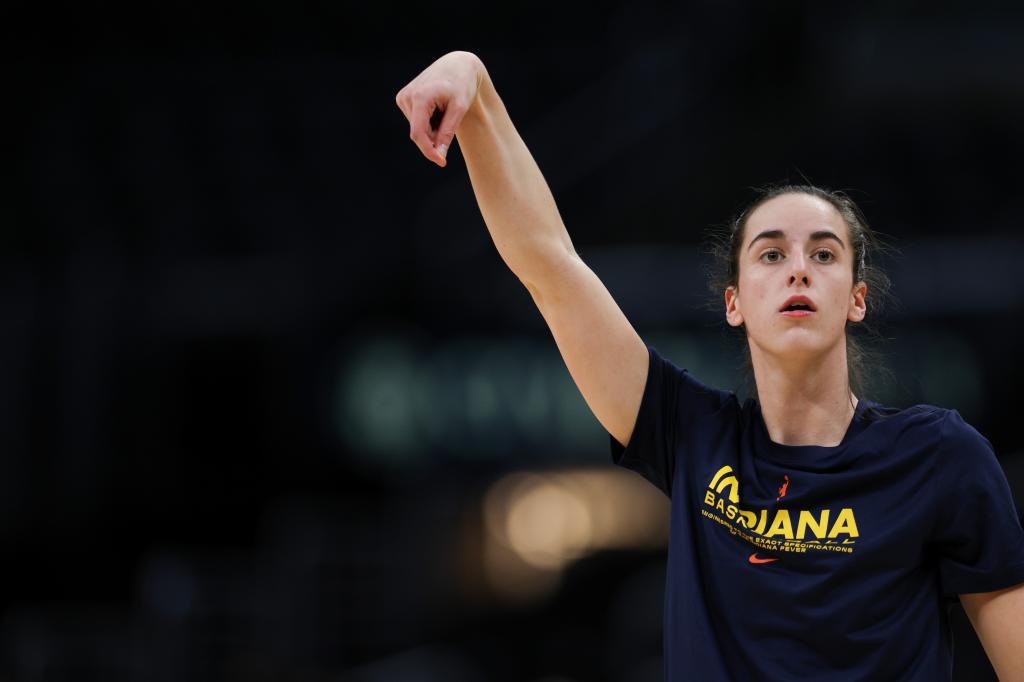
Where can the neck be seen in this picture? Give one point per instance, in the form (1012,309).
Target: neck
(804,400)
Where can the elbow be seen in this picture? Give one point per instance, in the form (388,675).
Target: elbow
(546,269)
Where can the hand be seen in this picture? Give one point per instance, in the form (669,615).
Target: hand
(437,100)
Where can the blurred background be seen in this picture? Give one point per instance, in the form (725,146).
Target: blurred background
(273,408)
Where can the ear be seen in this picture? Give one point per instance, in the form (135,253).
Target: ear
(732,307)
(858,303)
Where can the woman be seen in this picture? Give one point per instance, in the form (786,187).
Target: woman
(814,533)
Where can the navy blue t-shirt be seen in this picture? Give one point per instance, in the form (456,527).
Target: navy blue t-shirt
(811,562)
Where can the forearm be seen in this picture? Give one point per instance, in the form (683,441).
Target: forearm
(514,199)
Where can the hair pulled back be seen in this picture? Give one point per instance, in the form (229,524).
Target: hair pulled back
(726,242)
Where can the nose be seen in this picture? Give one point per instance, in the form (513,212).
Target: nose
(799,271)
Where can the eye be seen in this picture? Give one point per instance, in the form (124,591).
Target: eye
(775,252)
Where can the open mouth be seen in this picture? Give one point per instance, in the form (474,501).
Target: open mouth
(797,306)
(797,310)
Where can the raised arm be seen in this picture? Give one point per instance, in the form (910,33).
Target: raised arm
(605,356)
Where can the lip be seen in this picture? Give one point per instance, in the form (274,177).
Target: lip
(798,299)
(797,313)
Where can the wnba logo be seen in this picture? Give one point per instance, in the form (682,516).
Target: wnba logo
(782,489)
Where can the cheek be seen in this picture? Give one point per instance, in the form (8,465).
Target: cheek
(840,303)
(764,305)
(757,295)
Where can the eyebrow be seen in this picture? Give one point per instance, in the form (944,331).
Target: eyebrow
(815,236)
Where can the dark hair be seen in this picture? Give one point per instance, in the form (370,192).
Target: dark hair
(727,240)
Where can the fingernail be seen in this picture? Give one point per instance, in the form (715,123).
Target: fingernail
(443,151)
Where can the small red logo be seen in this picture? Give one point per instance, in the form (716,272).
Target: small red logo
(755,560)
(782,490)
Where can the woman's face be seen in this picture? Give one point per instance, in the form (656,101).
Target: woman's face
(789,250)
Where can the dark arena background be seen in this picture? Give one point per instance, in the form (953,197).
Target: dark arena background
(273,408)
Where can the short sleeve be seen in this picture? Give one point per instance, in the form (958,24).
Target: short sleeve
(978,537)
(672,399)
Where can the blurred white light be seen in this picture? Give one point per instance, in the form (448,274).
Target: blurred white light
(536,523)
(548,525)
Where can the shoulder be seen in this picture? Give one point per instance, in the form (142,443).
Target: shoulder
(948,421)
(694,392)
(956,446)
(915,418)
(961,442)
(926,432)
(954,453)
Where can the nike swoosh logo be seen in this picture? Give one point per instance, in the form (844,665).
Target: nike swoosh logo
(755,560)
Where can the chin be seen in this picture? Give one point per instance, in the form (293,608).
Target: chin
(800,343)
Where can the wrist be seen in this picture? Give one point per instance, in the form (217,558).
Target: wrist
(483,95)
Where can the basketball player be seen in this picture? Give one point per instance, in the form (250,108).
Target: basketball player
(815,534)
